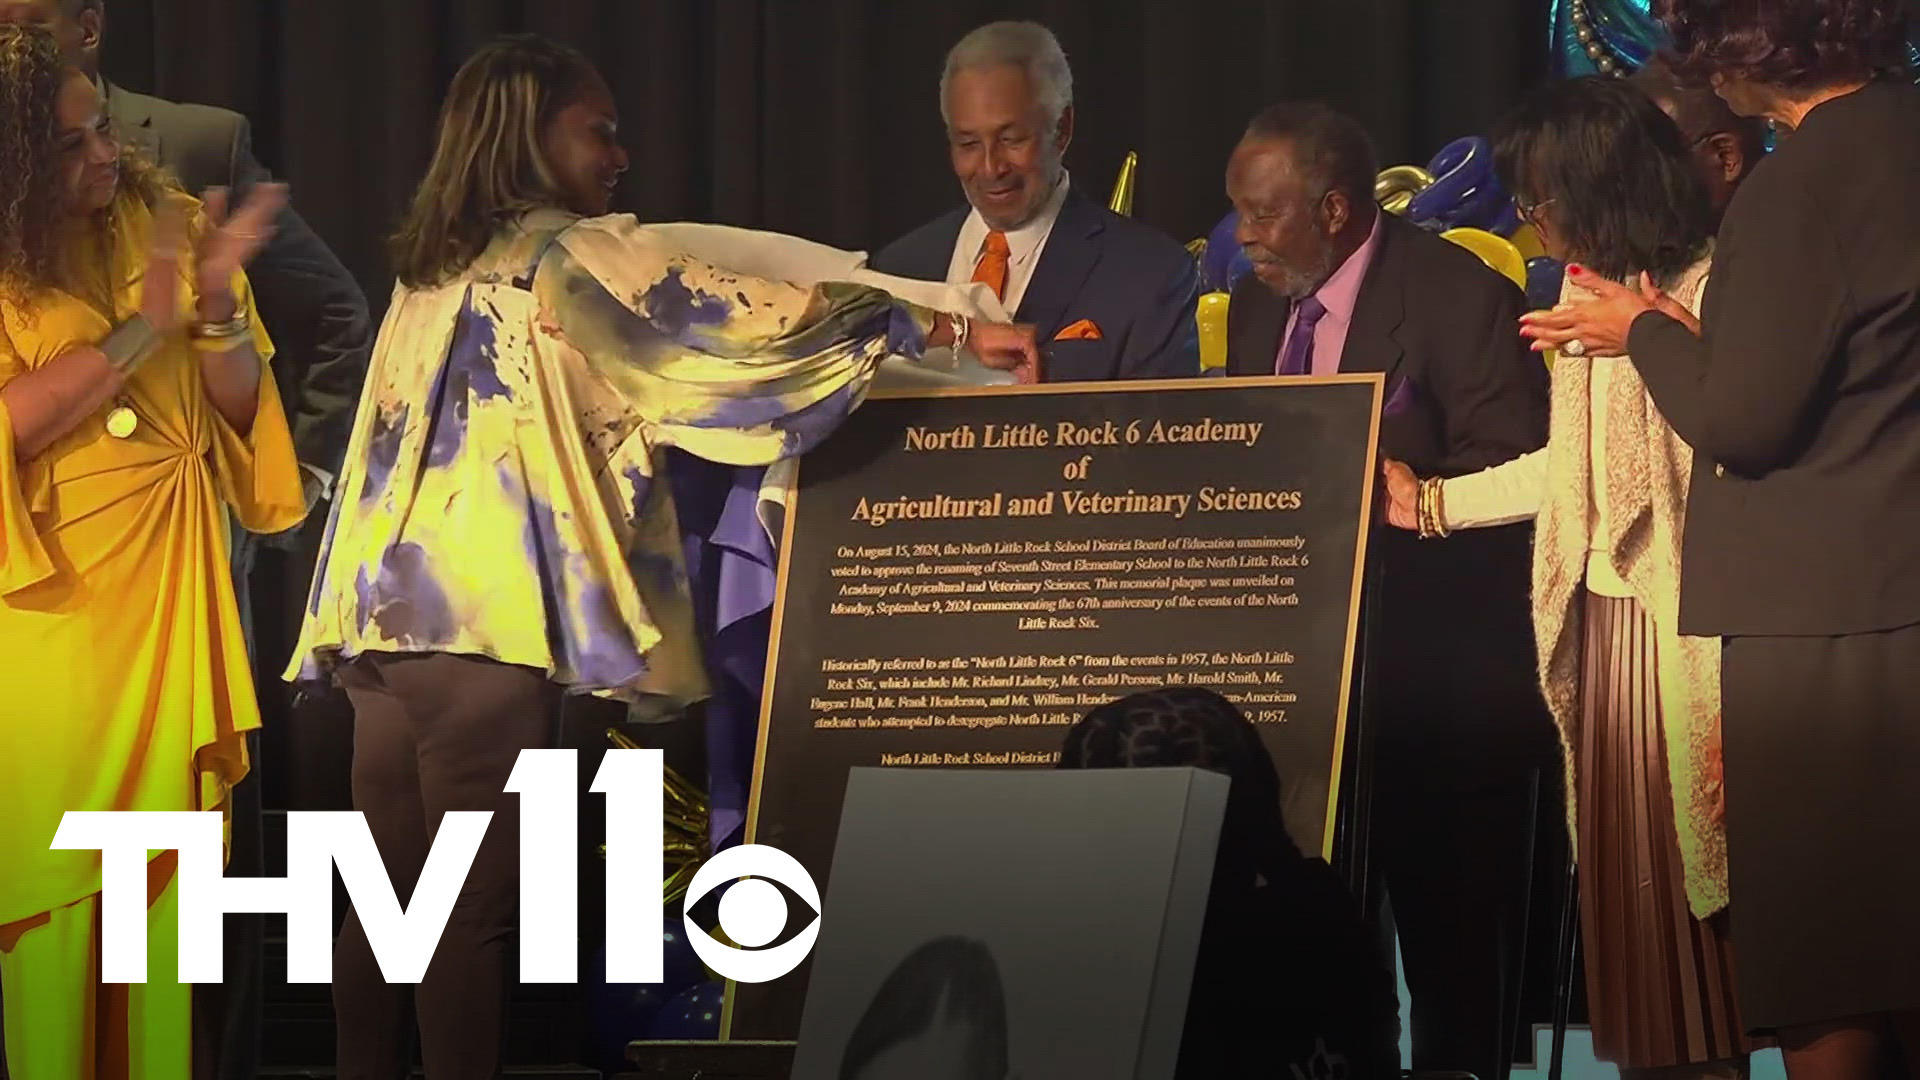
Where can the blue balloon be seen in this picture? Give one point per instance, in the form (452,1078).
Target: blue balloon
(1225,262)
(1543,281)
(693,1014)
(617,1014)
(1507,221)
(683,967)
(1465,193)
(622,1012)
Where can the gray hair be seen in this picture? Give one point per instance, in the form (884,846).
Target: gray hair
(1026,45)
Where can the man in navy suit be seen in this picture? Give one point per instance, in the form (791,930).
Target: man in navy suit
(1108,297)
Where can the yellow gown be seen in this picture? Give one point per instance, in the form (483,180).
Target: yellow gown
(127,682)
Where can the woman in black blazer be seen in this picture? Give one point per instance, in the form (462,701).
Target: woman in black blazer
(1800,394)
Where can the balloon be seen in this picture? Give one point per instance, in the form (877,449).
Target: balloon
(693,1014)
(1465,193)
(687,813)
(1396,186)
(1507,220)
(1543,282)
(1224,263)
(683,967)
(1211,314)
(1496,251)
(617,1014)
(1528,241)
(1121,202)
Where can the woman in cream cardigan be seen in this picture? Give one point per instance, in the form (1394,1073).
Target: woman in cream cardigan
(1604,176)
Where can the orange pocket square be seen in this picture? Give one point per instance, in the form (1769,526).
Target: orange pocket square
(1084,330)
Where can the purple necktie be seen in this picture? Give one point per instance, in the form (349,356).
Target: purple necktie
(1297,357)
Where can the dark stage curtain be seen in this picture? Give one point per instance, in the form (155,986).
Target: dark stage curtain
(820,117)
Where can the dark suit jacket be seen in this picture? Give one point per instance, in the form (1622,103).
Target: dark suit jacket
(1137,285)
(1451,675)
(311,305)
(1802,398)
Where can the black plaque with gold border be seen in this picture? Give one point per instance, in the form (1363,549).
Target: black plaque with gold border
(967,571)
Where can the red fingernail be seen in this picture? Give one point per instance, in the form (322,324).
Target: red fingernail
(1576,269)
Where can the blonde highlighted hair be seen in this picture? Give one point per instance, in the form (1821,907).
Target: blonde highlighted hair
(488,165)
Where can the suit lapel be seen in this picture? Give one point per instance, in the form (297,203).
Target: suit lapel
(932,260)
(1065,262)
(1373,344)
(132,119)
(1256,318)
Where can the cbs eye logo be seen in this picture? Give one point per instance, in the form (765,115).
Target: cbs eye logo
(752,912)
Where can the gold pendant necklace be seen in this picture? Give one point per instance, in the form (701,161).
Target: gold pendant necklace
(122,421)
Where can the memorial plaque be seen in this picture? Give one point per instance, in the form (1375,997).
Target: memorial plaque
(966,572)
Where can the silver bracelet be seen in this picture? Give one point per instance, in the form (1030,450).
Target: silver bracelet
(962,329)
(232,328)
(129,343)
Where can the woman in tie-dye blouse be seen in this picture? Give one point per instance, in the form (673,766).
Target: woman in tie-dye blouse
(501,534)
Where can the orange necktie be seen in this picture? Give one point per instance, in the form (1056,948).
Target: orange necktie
(991,270)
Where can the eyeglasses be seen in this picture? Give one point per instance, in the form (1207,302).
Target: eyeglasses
(1529,211)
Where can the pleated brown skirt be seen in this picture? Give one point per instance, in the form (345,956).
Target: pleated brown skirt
(1660,986)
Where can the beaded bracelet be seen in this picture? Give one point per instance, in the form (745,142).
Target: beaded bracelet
(1431,510)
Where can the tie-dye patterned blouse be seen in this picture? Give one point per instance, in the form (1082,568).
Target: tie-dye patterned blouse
(501,495)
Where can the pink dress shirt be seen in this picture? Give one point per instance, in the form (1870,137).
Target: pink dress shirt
(1337,295)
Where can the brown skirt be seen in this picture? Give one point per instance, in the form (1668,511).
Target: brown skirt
(1660,987)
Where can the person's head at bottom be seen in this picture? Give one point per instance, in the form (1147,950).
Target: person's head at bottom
(1190,726)
(941,1015)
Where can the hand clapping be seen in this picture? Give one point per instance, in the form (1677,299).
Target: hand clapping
(227,244)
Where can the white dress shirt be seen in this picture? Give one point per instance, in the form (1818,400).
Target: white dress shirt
(1024,246)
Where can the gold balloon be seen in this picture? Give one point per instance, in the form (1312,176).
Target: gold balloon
(685,843)
(1211,314)
(1395,187)
(1122,200)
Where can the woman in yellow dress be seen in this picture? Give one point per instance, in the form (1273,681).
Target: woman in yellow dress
(132,406)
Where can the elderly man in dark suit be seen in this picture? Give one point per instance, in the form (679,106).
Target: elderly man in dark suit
(1461,736)
(318,319)
(1109,297)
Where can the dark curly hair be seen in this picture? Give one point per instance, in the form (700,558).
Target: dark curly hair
(1195,727)
(1791,44)
(1623,191)
(35,230)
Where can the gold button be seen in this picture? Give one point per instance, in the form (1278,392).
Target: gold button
(1720,471)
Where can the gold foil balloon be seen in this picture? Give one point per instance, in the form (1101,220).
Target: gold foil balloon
(1122,201)
(1211,314)
(685,840)
(1395,187)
